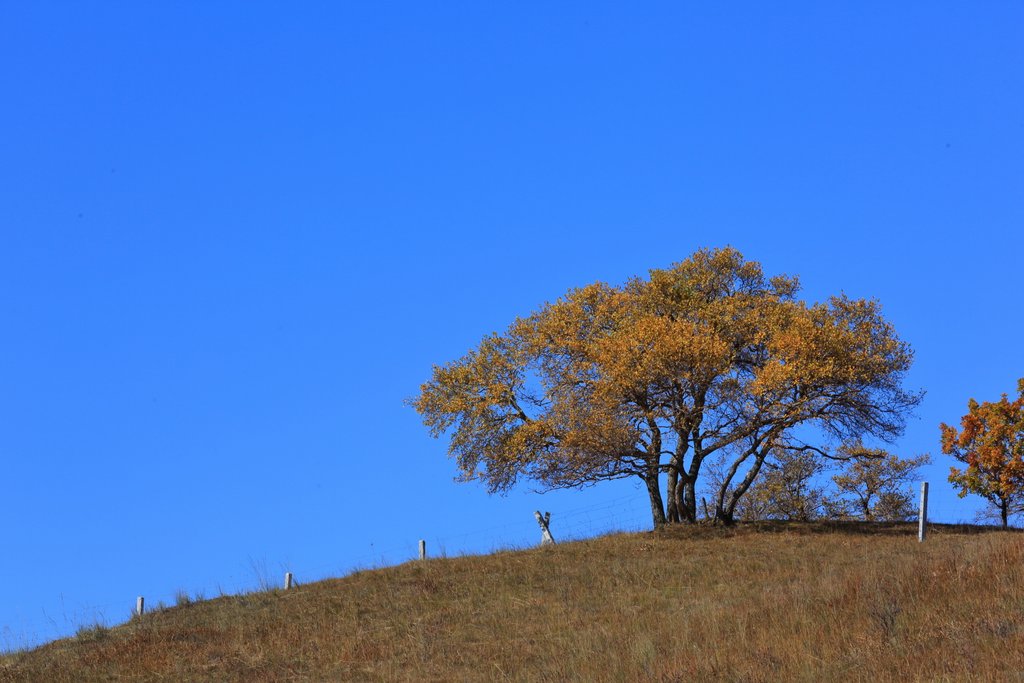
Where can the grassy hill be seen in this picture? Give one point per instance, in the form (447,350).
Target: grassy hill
(759,602)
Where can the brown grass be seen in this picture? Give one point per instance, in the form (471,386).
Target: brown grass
(759,602)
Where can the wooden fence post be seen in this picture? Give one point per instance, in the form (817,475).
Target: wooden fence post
(287,580)
(545,528)
(423,549)
(922,516)
(140,605)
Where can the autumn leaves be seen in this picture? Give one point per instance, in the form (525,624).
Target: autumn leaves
(708,361)
(991,445)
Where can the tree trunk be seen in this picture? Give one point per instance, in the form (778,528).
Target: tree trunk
(744,485)
(724,515)
(676,475)
(688,493)
(670,493)
(1004,512)
(657,506)
(679,501)
(653,470)
(688,505)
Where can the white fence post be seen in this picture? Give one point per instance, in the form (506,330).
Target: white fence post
(922,516)
(545,528)
(287,580)
(423,549)
(140,605)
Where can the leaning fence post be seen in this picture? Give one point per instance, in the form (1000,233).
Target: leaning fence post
(140,605)
(922,517)
(545,528)
(287,580)
(423,549)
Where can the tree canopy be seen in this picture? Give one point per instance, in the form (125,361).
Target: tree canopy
(653,377)
(991,444)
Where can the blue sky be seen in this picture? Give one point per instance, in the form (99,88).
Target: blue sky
(234,238)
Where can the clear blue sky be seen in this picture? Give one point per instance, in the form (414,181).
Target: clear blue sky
(234,238)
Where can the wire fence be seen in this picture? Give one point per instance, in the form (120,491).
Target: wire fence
(620,514)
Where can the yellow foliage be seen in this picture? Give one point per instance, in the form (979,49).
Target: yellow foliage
(654,376)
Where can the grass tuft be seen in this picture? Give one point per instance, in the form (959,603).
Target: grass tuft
(182,599)
(92,632)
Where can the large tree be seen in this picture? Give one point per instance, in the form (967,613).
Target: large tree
(656,376)
(991,444)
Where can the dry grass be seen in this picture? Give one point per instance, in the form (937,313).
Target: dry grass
(754,603)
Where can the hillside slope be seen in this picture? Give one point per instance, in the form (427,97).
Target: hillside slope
(755,603)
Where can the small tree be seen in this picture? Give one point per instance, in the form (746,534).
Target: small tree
(991,444)
(874,484)
(786,489)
